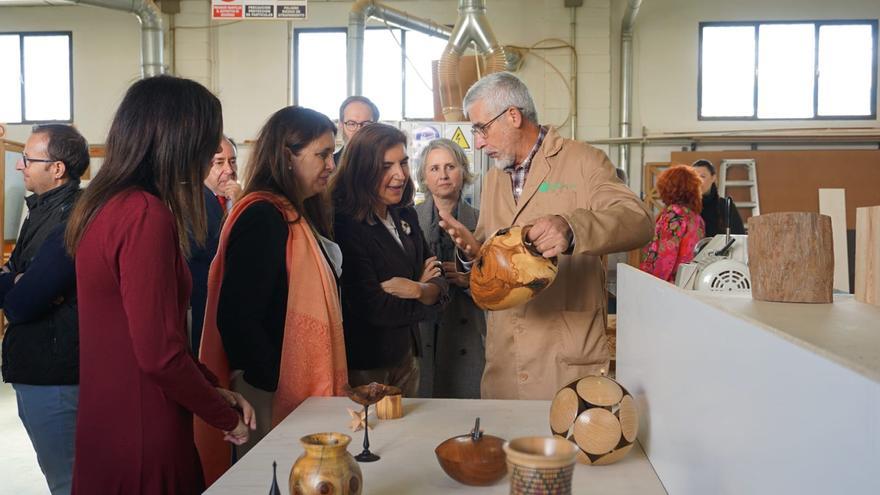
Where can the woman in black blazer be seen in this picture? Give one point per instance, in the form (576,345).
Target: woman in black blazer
(390,279)
(713,204)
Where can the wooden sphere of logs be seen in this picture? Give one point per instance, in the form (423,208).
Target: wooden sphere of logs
(509,271)
(597,414)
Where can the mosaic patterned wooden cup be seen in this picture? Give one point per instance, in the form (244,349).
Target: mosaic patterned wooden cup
(540,465)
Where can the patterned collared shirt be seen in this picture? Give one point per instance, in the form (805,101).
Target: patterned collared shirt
(518,174)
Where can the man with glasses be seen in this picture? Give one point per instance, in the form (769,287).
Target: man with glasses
(38,294)
(579,211)
(355,113)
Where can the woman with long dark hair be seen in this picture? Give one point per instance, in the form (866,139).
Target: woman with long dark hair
(390,281)
(273,324)
(139,384)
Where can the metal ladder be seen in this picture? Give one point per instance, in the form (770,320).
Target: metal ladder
(751,182)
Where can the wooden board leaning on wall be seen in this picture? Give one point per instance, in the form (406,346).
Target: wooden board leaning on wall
(789,180)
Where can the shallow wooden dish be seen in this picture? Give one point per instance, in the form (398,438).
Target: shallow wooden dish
(473,459)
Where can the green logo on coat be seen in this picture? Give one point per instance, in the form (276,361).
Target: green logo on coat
(554,186)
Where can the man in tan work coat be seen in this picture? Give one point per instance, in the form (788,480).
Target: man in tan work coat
(580,211)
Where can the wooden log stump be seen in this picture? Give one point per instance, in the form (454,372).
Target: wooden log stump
(390,407)
(791,257)
(868,255)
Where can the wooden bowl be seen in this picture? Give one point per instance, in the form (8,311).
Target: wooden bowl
(370,393)
(479,462)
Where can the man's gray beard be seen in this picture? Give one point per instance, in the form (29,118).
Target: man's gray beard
(502,163)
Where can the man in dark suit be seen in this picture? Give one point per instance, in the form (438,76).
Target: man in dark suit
(355,113)
(222,177)
(221,189)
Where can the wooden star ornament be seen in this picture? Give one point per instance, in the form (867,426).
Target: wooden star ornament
(358,419)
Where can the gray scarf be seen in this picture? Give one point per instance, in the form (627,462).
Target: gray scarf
(438,240)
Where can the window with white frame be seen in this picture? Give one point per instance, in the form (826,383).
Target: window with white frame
(788,70)
(35,77)
(397,71)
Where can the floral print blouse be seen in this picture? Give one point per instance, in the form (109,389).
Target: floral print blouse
(677,231)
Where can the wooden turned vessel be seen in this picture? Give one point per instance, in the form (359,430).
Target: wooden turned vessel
(370,393)
(473,459)
(390,407)
(508,270)
(326,467)
(540,465)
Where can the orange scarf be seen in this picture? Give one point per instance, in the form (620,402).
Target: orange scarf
(313,348)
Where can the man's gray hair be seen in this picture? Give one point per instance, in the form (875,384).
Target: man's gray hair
(501,90)
(458,156)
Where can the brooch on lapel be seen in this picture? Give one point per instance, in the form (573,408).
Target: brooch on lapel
(406,228)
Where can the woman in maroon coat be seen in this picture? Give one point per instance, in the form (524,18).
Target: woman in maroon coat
(139,384)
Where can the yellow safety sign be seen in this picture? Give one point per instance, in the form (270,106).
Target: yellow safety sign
(459,139)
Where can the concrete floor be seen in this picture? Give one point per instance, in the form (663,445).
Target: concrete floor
(19,471)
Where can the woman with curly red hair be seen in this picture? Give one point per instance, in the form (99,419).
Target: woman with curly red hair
(679,226)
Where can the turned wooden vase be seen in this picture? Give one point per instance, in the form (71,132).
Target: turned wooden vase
(508,271)
(326,467)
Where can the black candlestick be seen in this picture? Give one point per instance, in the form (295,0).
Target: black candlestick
(274,490)
(366,455)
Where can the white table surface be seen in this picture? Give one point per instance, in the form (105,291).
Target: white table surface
(408,464)
(846,331)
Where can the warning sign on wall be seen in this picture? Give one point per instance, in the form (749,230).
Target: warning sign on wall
(259,9)
(459,139)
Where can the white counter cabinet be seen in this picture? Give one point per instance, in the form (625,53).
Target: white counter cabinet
(747,397)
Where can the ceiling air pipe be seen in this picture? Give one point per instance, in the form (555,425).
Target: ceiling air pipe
(472,26)
(150,17)
(360,12)
(626,77)
(147,13)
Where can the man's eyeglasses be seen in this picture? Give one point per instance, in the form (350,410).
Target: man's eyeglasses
(27,161)
(483,129)
(353,125)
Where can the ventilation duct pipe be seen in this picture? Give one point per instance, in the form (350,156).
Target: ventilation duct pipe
(626,77)
(150,17)
(360,12)
(148,14)
(472,26)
